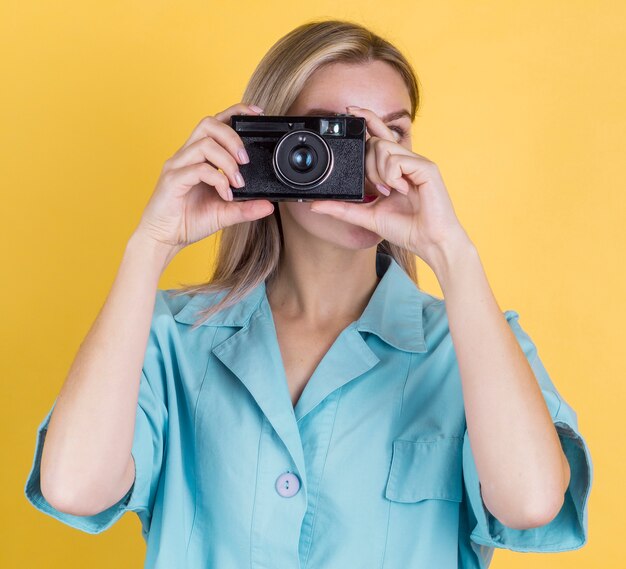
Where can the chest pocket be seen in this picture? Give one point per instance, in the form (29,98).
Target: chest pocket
(429,469)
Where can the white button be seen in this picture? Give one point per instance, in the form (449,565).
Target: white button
(287,484)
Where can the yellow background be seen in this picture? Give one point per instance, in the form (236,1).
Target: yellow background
(523,111)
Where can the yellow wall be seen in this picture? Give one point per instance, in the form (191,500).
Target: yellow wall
(523,110)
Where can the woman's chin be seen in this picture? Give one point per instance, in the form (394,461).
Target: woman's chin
(351,236)
(339,232)
(361,238)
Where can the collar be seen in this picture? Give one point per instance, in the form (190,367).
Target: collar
(393,313)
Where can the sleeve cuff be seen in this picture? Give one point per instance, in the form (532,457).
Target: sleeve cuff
(567,531)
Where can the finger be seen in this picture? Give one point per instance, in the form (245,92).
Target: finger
(237,109)
(418,170)
(216,127)
(373,189)
(378,132)
(357,214)
(374,124)
(371,166)
(374,167)
(187,177)
(248,210)
(381,188)
(207,149)
(390,172)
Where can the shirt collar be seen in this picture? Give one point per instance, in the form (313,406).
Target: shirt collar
(393,313)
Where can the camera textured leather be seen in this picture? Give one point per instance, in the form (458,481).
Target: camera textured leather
(346,181)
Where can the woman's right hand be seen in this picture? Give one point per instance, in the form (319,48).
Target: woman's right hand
(192,198)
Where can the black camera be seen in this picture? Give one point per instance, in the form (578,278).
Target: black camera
(302,158)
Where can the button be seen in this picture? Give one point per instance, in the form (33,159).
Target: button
(287,484)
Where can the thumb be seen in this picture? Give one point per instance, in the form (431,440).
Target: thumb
(355,213)
(247,210)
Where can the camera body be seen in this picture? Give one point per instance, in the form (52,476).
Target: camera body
(302,158)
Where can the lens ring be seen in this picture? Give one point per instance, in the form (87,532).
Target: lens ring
(311,177)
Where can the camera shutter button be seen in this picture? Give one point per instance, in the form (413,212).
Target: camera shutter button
(355,127)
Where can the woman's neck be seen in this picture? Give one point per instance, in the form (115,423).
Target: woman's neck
(320,292)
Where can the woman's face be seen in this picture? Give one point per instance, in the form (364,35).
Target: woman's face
(376,86)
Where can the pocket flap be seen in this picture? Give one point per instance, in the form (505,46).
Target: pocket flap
(426,469)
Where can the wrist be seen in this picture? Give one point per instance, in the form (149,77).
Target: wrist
(449,258)
(156,251)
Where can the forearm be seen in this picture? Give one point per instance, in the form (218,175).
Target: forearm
(87,448)
(522,469)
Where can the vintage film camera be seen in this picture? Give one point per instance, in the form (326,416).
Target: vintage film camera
(302,158)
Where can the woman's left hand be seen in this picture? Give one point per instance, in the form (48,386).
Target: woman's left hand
(418,213)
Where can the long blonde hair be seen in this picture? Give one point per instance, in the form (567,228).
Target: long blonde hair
(249,252)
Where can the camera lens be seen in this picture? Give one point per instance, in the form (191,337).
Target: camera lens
(302,158)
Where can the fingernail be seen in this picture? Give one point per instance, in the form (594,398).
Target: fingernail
(352,107)
(230,195)
(255,108)
(383,189)
(239,179)
(243,156)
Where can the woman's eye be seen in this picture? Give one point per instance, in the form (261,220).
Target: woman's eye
(401,132)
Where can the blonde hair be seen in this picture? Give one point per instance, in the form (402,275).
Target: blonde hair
(249,252)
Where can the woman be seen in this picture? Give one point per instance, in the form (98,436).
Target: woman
(311,406)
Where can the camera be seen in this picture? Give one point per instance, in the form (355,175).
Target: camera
(302,158)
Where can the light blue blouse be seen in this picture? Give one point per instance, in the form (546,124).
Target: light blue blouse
(371,469)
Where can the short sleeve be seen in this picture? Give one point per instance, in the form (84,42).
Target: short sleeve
(148,449)
(569,529)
